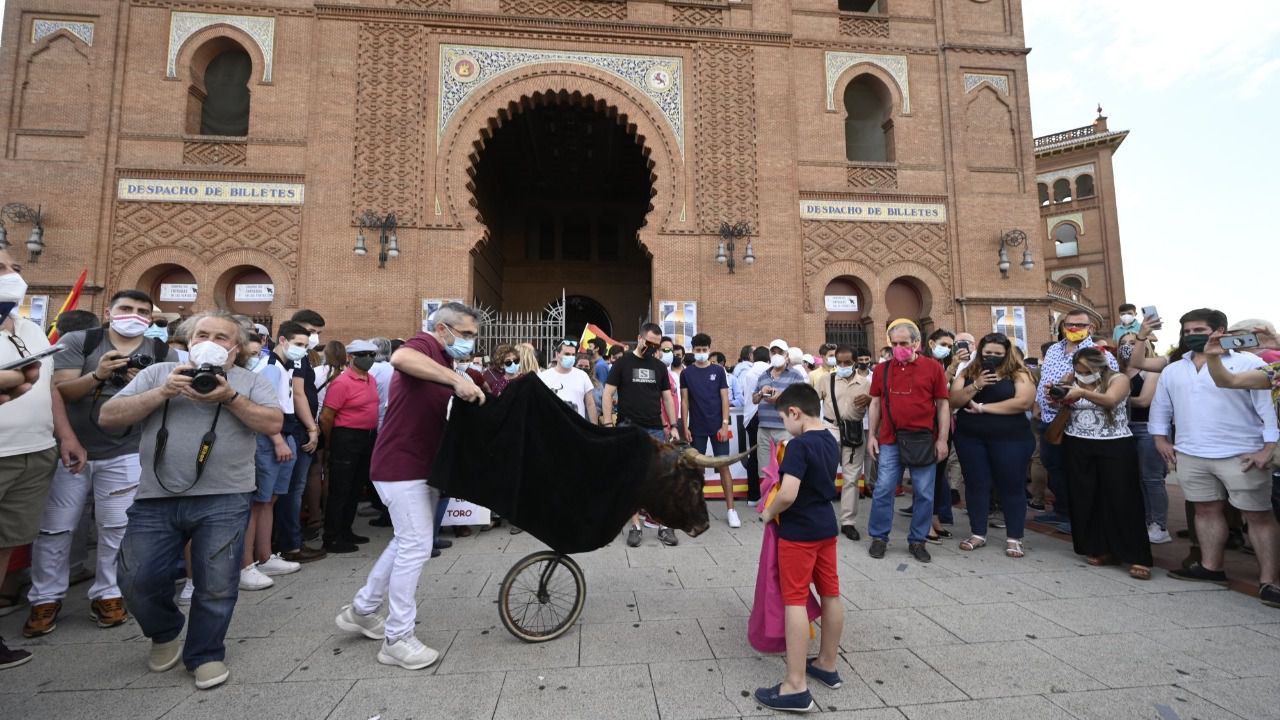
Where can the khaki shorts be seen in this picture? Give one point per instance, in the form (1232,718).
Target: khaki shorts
(1207,480)
(24,488)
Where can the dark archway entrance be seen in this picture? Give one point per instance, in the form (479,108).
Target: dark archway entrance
(563,188)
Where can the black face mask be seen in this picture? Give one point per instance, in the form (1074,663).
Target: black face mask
(864,365)
(363,363)
(677,361)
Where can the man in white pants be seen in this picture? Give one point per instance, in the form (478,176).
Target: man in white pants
(96,364)
(417,408)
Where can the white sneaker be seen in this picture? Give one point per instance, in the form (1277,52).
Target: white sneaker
(252,579)
(1158,535)
(732,517)
(276,565)
(752,503)
(409,653)
(372,626)
(188,589)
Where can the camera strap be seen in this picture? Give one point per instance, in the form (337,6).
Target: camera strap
(202,456)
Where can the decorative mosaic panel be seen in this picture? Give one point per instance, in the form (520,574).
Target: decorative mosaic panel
(391,82)
(464,69)
(1053,221)
(42,28)
(972,81)
(214,153)
(875,246)
(855,26)
(698,16)
(426,4)
(182,25)
(873,176)
(727,181)
(895,65)
(1070,173)
(587,9)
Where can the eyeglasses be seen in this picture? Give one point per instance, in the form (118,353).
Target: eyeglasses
(463,335)
(1075,326)
(651,345)
(21,346)
(570,343)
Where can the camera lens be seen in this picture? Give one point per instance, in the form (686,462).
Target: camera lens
(204,383)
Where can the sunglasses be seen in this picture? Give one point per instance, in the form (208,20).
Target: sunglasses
(363,353)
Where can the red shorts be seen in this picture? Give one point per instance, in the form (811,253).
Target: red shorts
(802,563)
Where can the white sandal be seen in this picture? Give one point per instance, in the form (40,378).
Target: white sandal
(973,543)
(1013,549)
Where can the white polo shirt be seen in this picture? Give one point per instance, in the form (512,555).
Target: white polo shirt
(26,424)
(1212,422)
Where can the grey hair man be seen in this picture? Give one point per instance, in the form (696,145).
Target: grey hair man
(381,373)
(199,421)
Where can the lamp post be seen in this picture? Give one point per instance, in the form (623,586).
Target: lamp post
(1013,239)
(729,234)
(388,243)
(19,213)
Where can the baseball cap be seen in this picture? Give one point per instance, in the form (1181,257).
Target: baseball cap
(780,344)
(808,358)
(356,346)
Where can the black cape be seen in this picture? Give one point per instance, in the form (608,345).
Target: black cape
(529,457)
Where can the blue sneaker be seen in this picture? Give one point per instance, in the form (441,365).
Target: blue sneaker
(829,678)
(771,698)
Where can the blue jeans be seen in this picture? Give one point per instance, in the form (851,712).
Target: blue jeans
(1056,465)
(287,525)
(890,474)
(1000,463)
(1152,470)
(153,541)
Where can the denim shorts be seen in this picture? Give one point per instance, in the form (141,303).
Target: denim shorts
(719,448)
(273,477)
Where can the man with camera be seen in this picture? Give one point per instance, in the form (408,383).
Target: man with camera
(846,394)
(96,364)
(199,426)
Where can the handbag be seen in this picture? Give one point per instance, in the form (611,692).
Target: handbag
(850,430)
(915,447)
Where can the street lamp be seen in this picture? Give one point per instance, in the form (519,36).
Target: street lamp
(23,214)
(388,243)
(728,235)
(1014,238)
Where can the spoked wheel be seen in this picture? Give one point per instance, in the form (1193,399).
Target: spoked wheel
(542,596)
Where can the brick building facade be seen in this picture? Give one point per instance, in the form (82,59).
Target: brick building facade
(876,152)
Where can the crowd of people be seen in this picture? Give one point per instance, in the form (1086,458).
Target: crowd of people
(219,455)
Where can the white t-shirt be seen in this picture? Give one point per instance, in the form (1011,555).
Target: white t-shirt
(572,387)
(26,424)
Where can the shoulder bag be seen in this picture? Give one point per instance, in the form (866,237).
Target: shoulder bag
(915,447)
(850,430)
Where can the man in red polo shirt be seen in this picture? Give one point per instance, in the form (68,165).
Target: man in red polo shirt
(349,422)
(421,387)
(909,404)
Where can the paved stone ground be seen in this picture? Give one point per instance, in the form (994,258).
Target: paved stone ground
(663,635)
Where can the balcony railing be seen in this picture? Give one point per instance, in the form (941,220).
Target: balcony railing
(1062,291)
(1066,136)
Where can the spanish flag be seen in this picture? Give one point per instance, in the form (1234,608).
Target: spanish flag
(590,332)
(72,300)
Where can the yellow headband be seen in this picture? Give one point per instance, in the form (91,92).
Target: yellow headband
(901,321)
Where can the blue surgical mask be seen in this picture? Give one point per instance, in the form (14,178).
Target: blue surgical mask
(461,347)
(844,372)
(701,357)
(513,368)
(668,358)
(295,352)
(567,361)
(253,362)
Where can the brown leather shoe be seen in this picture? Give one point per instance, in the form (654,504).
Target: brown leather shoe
(42,620)
(305,555)
(108,612)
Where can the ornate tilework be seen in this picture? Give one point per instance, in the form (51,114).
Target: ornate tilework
(895,65)
(42,28)
(972,81)
(182,25)
(1070,173)
(1053,221)
(465,69)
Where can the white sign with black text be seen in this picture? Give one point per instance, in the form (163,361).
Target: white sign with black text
(255,292)
(842,303)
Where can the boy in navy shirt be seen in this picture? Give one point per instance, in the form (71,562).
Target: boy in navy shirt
(704,395)
(807,531)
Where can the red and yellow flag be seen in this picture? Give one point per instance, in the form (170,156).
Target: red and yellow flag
(72,300)
(591,332)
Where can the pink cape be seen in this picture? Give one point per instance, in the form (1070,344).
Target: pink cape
(766,629)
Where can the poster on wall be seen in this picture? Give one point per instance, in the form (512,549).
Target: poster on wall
(1012,321)
(430,305)
(255,292)
(679,320)
(36,309)
(841,303)
(178,292)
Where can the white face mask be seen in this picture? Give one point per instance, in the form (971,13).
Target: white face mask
(1128,318)
(668,358)
(313,341)
(12,288)
(295,352)
(1088,379)
(777,360)
(130,326)
(253,362)
(831,361)
(208,353)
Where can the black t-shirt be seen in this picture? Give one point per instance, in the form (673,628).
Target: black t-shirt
(997,427)
(303,369)
(813,458)
(640,383)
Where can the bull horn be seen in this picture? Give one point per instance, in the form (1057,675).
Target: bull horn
(705,461)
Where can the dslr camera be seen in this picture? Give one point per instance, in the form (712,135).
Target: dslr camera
(1057,392)
(137,361)
(204,379)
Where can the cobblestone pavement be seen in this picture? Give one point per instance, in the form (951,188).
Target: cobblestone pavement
(663,635)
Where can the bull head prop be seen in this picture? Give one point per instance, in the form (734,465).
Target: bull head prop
(672,494)
(692,458)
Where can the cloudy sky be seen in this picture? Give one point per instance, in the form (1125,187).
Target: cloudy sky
(1198,86)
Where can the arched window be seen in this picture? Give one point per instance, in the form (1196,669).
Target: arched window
(1044,193)
(1066,239)
(1084,186)
(225,110)
(868,129)
(1062,191)
(1072,281)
